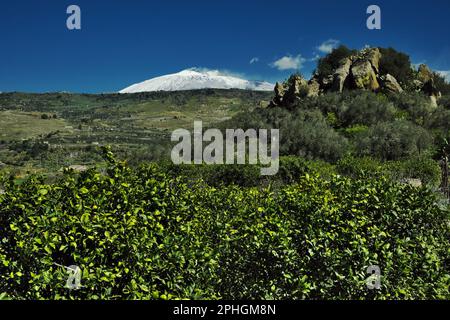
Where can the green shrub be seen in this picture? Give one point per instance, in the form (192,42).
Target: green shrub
(421,167)
(360,167)
(394,140)
(307,134)
(417,106)
(139,234)
(444,101)
(365,108)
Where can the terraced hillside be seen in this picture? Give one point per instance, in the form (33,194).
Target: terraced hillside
(44,132)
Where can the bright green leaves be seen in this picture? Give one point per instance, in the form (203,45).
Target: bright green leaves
(138,234)
(84,191)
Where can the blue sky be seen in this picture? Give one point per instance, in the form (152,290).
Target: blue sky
(124,42)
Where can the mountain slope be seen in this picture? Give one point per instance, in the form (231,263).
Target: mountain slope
(191,79)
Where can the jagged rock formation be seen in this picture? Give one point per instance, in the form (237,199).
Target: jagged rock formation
(289,93)
(359,71)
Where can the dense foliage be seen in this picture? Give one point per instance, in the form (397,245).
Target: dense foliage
(397,64)
(360,123)
(138,233)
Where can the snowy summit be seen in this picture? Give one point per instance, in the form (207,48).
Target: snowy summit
(191,79)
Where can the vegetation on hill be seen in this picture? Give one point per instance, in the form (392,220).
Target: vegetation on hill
(358,185)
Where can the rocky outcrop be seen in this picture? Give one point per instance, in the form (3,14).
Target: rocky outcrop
(292,91)
(359,71)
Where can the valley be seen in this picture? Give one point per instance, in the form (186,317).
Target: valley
(44,132)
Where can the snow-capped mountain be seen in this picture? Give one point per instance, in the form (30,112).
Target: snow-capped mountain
(191,79)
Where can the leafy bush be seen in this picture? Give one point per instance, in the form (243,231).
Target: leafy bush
(421,167)
(138,234)
(360,167)
(416,106)
(445,102)
(365,108)
(304,132)
(308,134)
(394,140)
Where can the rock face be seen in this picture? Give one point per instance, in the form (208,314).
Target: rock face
(390,84)
(341,74)
(364,76)
(365,69)
(373,56)
(359,71)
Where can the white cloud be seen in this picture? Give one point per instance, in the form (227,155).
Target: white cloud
(445,74)
(315,58)
(254,60)
(217,72)
(289,63)
(328,46)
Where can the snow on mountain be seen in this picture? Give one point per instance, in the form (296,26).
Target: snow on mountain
(191,79)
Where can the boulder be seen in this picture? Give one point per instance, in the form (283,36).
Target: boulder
(364,76)
(390,84)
